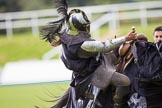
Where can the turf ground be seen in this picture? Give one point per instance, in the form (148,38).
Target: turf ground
(31,95)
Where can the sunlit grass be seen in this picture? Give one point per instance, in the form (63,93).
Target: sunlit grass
(22,46)
(124,29)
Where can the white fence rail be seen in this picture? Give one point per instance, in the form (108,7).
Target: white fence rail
(111,14)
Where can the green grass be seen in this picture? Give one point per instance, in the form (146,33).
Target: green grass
(22,46)
(124,29)
(29,96)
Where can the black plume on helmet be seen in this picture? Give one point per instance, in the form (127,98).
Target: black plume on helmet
(48,33)
(76,20)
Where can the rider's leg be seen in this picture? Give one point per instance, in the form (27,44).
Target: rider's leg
(119,79)
(121,82)
(120,96)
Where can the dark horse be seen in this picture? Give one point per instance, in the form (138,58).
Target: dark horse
(103,98)
(94,97)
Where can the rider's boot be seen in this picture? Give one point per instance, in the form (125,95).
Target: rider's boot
(120,96)
(121,82)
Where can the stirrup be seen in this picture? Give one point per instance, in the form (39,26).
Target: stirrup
(117,105)
(89,96)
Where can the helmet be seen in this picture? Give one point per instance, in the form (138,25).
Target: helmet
(78,21)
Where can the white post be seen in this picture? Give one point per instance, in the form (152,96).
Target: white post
(143,15)
(113,24)
(34,24)
(114,21)
(9,29)
(95,33)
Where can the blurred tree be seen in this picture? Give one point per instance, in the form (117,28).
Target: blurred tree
(99,2)
(23,5)
(35,4)
(87,2)
(9,6)
(2,5)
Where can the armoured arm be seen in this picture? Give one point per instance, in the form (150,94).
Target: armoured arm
(98,46)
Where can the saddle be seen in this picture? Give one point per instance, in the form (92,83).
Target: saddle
(126,53)
(125,56)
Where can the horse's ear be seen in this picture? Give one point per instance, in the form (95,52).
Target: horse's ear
(142,37)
